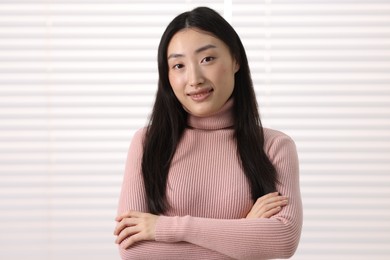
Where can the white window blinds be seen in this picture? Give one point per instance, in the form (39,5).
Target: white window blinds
(77,78)
(322,74)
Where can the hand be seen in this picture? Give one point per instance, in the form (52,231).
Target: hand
(267,206)
(135,226)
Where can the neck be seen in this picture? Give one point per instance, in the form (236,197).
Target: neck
(219,120)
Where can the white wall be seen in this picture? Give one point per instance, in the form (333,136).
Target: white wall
(77,78)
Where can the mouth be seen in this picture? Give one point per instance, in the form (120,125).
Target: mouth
(200,95)
(200,92)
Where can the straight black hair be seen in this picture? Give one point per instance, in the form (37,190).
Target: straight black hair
(169,120)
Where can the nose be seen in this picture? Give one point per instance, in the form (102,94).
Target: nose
(195,76)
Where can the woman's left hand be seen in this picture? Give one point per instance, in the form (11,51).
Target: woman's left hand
(135,226)
(268,205)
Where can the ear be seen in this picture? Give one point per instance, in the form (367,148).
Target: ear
(236,66)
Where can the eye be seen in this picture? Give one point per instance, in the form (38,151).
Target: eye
(208,59)
(177,66)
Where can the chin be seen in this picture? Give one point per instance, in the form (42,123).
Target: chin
(203,113)
(202,109)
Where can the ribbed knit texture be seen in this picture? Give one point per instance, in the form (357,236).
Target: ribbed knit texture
(210,196)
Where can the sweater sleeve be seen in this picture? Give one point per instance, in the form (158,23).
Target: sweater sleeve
(132,196)
(276,237)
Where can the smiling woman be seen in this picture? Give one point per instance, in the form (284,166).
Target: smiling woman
(205,180)
(201,71)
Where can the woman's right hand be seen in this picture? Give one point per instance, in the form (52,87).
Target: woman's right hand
(267,205)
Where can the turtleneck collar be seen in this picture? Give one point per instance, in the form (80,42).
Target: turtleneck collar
(219,120)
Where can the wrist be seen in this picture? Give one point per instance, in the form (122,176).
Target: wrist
(171,229)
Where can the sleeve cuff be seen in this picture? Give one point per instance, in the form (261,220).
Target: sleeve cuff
(171,229)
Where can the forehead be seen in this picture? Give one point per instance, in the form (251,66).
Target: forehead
(189,39)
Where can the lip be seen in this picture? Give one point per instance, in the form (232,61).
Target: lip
(200,95)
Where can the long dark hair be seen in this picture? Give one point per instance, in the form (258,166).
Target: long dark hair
(168,119)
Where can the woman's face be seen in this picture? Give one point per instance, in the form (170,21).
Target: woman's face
(201,71)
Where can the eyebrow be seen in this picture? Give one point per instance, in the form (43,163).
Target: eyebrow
(204,48)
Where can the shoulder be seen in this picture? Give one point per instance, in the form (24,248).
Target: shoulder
(276,142)
(139,134)
(271,136)
(137,140)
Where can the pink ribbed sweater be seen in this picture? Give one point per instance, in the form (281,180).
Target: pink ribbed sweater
(210,197)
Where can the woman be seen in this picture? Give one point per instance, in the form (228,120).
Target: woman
(204,180)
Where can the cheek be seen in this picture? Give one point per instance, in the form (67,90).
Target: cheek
(226,69)
(177,86)
(175,81)
(226,76)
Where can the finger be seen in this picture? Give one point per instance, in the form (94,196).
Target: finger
(279,203)
(267,196)
(275,201)
(275,198)
(260,200)
(129,214)
(267,200)
(132,240)
(261,209)
(127,222)
(272,200)
(271,212)
(275,204)
(122,216)
(127,233)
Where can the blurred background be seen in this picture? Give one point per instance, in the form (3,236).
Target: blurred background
(78,78)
